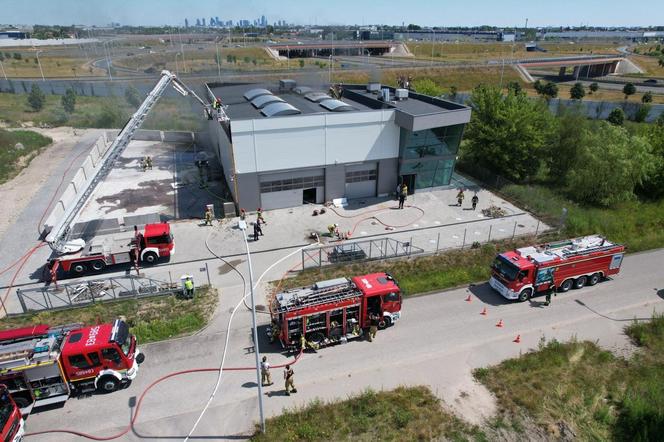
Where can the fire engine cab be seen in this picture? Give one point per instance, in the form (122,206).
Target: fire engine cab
(12,426)
(336,310)
(42,365)
(575,263)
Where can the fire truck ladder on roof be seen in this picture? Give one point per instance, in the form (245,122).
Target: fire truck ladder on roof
(572,253)
(324,296)
(59,234)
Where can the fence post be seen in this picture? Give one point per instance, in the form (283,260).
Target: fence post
(537,228)
(92,295)
(437,242)
(133,287)
(490,228)
(20,299)
(410,246)
(514,231)
(170,278)
(320,257)
(207,270)
(464,238)
(302,259)
(370,244)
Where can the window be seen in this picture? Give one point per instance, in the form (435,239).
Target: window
(391,297)
(75,337)
(111,354)
(293,183)
(79,361)
(163,239)
(361,175)
(94,359)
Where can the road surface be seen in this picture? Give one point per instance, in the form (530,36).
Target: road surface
(440,339)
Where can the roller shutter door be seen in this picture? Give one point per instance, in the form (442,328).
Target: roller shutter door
(361,181)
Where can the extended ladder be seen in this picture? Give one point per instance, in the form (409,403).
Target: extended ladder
(313,298)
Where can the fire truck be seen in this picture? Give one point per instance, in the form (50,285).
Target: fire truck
(42,365)
(156,241)
(11,422)
(522,273)
(336,310)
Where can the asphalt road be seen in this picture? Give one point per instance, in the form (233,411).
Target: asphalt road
(440,339)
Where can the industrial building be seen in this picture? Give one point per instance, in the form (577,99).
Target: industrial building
(285,145)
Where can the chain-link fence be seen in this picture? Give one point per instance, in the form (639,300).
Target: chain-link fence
(357,251)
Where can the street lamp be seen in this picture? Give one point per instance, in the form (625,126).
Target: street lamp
(433,43)
(329,70)
(40,66)
(3,70)
(108,60)
(177,69)
(287,58)
(184,62)
(218,61)
(243,228)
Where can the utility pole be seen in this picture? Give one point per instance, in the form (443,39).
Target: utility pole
(3,70)
(40,66)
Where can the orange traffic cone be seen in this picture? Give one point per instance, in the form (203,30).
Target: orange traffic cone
(468,299)
(500,323)
(517,339)
(483,312)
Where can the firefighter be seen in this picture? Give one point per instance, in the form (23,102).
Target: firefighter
(289,374)
(266,378)
(551,290)
(189,288)
(243,215)
(460,196)
(257,231)
(304,344)
(403,195)
(475,200)
(144,164)
(373,326)
(274,331)
(208,216)
(259,216)
(148,162)
(333,229)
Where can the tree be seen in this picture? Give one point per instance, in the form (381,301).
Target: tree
(427,86)
(514,87)
(661,61)
(647,97)
(594,87)
(610,165)
(132,96)
(629,89)
(36,98)
(616,117)
(229,58)
(539,87)
(453,93)
(507,134)
(642,113)
(17,55)
(653,185)
(550,90)
(2,56)
(247,60)
(660,119)
(69,101)
(301,61)
(577,92)
(561,153)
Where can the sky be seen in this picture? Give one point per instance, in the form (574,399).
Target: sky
(506,13)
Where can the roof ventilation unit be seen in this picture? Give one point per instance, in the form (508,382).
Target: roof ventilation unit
(401,94)
(373,87)
(286,85)
(385,95)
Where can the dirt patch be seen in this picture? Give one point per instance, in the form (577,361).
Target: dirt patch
(223,269)
(149,193)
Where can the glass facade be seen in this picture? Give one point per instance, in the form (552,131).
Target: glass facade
(430,155)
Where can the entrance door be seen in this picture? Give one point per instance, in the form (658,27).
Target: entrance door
(309,196)
(409,180)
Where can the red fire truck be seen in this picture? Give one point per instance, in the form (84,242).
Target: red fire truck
(11,422)
(336,310)
(155,242)
(42,365)
(575,263)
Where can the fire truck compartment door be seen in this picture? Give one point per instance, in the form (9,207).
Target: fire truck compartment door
(616,261)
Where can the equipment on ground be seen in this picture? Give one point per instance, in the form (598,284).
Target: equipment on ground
(42,365)
(58,237)
(156,241)
(563,265)
(336,310)
(12,426)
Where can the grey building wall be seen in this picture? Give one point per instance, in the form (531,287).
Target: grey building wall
(222,147)
(249,191)
(387,176)
(335,181)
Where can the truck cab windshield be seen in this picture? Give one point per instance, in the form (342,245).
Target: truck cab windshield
(506,269)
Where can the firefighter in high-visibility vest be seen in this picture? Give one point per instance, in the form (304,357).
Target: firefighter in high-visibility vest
(208,216)
(189,288)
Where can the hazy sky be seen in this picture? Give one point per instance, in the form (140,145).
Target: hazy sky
(423,12)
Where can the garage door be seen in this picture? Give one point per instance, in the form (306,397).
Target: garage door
(361,181)
(289,189)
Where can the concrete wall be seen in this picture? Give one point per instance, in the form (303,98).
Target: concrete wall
(335,181)
(314,140)
(387,176)
(249,191)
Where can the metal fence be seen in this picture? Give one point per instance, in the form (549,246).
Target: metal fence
(357,251)
(79,294)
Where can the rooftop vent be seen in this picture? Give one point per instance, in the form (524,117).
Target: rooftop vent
(401,94)
(373,87)
(287,85)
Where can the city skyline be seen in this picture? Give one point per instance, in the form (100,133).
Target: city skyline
(508,13)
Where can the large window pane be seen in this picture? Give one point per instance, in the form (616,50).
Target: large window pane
(424,179)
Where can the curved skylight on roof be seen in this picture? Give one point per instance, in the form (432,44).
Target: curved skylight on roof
(302,90)
(336,105)
(279,109)
(253,93)
(263,100)
(317,97)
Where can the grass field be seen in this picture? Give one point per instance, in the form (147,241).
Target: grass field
(170,113)
(13,160)
(150,319)
(589,391)
(55,63)
(403,414)
(649,64)
(600,95)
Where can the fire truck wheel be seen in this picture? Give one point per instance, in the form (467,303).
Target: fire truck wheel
(150,258)
(594,278)
(108,384)
(580,282)
(78,268)
(566,285)
(98,265)
(525,295)
(382,325)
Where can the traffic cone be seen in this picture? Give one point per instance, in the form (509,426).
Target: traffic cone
(468,299)
(517,339)
(500,323)
(483,312)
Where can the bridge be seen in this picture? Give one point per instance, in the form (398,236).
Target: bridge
(588,66)
(324,49)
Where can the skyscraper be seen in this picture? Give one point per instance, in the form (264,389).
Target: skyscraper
(263,21)
(198,22)
(203,22)
(186,23)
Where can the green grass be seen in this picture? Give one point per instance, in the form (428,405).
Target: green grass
(403,414)
(170,113)
(13,160)
(598,395)
(150,319)
(639,225)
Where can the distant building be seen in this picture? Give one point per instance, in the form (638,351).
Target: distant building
(504,36)
(186,23)
(14,35)
(198,22)
(203,22)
